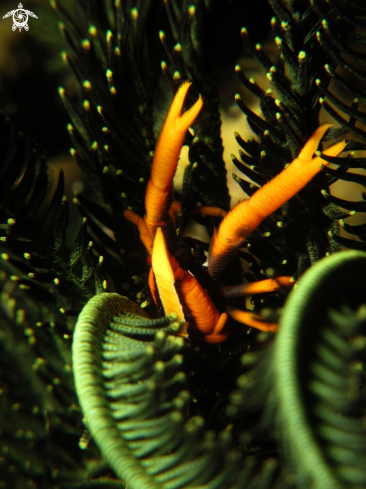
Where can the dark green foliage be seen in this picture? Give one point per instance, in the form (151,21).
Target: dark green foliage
(163,411)
(33,245)
(299,231)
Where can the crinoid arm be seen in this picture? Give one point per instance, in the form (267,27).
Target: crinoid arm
(248,214)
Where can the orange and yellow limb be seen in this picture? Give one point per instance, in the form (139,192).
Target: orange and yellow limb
(160,186)
(180,292)
(248,214)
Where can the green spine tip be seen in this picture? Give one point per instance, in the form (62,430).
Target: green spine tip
(161,35)
(178,47)
(109,35)
(85,44)
(56,281)
(117,51)
(87,84)
(73,151)
(94,146)
(101,259)
(134,14)
(176,75)
(11,221)
(93,31)
(86,105)
(113,91)
(191,10)
(61,91)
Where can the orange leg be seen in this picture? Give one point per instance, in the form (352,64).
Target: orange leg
(260,287)
(141,226)
(248,214)
(252,320)
(202,210)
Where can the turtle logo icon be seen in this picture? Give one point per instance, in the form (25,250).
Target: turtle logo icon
(20,17)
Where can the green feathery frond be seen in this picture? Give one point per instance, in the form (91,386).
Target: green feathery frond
(130,380)
(319,353)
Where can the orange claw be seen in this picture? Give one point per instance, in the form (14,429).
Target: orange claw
(248,214)
(160,187)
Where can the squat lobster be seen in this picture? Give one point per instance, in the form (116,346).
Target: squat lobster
(176,289)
